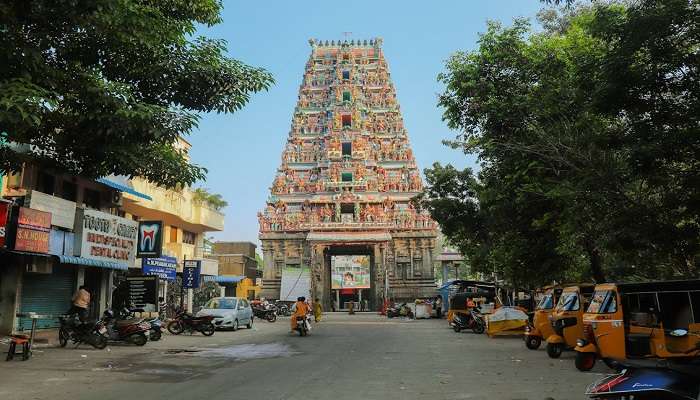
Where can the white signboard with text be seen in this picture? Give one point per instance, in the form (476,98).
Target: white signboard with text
(62,211)
(106,237)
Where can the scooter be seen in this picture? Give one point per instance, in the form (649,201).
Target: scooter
(473,321)
(76,331)
(657,383)
(134,331)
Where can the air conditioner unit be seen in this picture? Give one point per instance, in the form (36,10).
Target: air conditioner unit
(44,268)
(113,198)
(117,199)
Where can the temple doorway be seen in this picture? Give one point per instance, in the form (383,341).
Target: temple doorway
(350,269)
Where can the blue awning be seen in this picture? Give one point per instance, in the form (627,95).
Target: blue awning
(122,187)
(92,263)
(229,279)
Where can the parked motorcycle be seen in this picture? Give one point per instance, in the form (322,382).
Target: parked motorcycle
(473,321)
(76,331)
(156,331)
(267,313)
(131,330)
(187,322)
(402,310)
(282,309)
(303,325)
(655,383)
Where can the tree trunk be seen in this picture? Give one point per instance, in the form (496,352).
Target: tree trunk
(595,260)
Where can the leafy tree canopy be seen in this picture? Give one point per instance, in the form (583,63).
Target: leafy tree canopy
(589,140)
(98,87)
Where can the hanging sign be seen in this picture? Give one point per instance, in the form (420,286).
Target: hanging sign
(164,267)
(33,228)
(150,243)
(190,274)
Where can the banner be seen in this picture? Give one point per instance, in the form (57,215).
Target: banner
(350,272)
(4,219)
(33,228)
(164,267)
(296,282)
(150,243)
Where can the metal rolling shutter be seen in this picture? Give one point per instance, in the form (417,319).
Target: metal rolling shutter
(46,294)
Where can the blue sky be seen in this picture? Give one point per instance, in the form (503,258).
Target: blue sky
(242,150)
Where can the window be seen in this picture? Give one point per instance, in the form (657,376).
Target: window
(603,302)
(173,234)
(188,237)
(91,199)
(676,312)
(347,120)
(70,190)
(347,176)
(568,302)
(347,149)
(402,270)
(346,75)
(47,183)
(347,208)
(640,309)
(546,303)
(346,96)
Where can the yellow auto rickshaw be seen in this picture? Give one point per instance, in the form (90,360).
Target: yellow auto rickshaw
(635,321)
(567,319)
(466,294)
(541,328)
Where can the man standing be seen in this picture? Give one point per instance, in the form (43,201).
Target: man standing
(318,310)
(80,303)
(438,306)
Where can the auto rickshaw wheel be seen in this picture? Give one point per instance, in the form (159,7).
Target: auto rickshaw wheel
(456,328)
(584,361)
(533,342)
(554,350)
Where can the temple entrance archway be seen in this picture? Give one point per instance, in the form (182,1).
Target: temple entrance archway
(349,272)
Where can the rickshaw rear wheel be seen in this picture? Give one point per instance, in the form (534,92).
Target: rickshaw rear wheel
(585,361)
(554,350)
(533,342)
(456,328)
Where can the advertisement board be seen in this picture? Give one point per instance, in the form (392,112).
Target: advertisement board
(190,274)
(350,272)
(296,282)
(163,267)
(150,243)
(33,227)
(143,292)
(62,211)
(4,219)
(105,237)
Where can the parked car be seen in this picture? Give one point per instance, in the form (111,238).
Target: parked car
(228,312)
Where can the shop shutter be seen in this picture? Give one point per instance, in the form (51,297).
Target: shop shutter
(47,294)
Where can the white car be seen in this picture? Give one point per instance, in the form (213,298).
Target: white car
(228,312)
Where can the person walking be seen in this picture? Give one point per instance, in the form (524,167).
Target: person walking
(351,307)
(318,310)
(80,303)
(438,306)
(333,305)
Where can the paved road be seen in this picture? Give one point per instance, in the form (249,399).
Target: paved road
(345,357)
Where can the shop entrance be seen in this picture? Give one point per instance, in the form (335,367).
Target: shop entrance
(349,271)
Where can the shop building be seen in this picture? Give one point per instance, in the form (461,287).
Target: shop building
(238,268)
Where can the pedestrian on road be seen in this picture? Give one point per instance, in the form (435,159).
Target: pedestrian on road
(300,310)
(80,303)
(333,306)
(365,305)
(438,306)
(318,310)
(351,307)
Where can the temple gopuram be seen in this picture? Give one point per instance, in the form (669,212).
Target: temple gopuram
(339,224)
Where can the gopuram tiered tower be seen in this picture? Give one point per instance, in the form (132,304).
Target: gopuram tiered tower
(339,224)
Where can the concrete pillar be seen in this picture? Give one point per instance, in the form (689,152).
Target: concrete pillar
(190,296)
(10,284)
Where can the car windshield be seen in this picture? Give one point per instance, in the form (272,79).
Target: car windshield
(221,304)
(546,303)
(568,302)
(603,302)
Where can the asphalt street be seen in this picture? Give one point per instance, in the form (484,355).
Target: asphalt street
(363,356)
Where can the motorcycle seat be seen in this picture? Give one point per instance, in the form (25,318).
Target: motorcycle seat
(125,322)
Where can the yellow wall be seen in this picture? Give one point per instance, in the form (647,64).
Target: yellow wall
(244,286)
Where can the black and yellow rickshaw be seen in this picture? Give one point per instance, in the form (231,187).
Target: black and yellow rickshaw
(567,318)
(467,292)
(638,321)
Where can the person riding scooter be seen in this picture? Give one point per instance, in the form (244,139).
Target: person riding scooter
(300,310)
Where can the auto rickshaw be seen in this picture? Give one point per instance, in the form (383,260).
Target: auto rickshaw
(638,321)
(470,291)
(567,319)
(541,328)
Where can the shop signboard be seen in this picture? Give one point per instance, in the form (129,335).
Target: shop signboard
(4,219)
(163,267)
(62,211)
(150,243)
(143,292)
(105,237)
(350,272)
(190,274)
(33,227)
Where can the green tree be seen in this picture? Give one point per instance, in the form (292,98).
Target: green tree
(216,201)
(106,87)
(587,131)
